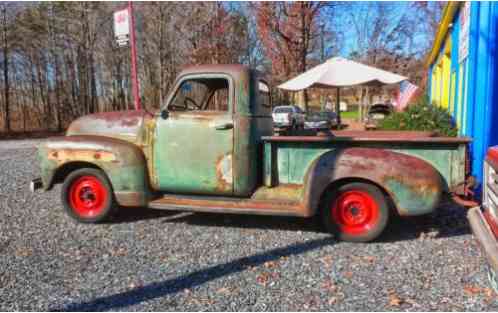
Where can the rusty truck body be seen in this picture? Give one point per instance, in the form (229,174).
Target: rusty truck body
(484,218)
(210,148)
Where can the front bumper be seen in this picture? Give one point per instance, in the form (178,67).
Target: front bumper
(35,184)
(316,125)
(484,235)
(281,124)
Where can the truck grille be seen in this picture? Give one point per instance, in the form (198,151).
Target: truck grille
(491,190)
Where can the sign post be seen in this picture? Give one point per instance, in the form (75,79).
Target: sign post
(124,31)
(134,76)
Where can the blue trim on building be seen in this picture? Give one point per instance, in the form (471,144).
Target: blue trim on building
(478,114)
(455,65)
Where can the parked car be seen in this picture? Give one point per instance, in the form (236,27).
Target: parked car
(484,219)
(209,151)
(377,113)
(320,120)
(288,116)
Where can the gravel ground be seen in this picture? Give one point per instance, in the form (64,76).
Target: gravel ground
(157,260)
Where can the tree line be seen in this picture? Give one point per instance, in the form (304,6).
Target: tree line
(59,60)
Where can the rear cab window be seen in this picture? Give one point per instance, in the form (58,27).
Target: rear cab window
(282,110)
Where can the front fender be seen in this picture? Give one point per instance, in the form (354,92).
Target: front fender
(414,185)
(123,163)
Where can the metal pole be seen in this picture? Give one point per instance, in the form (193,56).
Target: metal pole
(134,75)
(338,107)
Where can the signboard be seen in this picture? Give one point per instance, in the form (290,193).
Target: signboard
(463,38)
(122,27)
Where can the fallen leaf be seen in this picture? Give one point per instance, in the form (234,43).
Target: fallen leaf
(23,252)
(270,264)
(472,290)
(369,259)
(348,275)
(223,290)
(332,300)
(329,285)
(490,295)
(263,278)
(394,300)
(326,260)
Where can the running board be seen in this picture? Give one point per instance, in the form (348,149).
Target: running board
(227,205)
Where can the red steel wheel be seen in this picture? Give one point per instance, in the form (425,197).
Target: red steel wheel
(87,195)
(355,212)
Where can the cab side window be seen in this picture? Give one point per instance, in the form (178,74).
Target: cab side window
(201,94)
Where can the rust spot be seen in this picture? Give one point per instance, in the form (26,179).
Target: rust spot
(281,193)
(232,206)
(366,136)
(124,118)
(64,155)
(224,173)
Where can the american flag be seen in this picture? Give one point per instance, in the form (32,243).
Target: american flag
(406,92)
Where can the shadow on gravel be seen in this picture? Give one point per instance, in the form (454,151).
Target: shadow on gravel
(130,215)
(194,279)
(447,221)
(248,221)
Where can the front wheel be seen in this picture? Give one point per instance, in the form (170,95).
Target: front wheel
(87,196)
(356,212)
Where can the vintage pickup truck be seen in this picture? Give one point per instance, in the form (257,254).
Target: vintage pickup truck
(211,148)
(484,219)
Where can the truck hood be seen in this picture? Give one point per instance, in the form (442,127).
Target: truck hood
(124,125)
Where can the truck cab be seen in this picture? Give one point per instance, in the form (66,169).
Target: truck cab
(210,148)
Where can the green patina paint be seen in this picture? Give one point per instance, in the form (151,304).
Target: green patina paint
(294,159)
(189,153)
(125,173)
(410,202)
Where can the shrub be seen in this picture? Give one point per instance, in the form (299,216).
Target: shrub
(421,116)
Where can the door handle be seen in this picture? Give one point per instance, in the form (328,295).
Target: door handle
(224,126)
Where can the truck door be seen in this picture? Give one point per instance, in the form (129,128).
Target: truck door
(194,139)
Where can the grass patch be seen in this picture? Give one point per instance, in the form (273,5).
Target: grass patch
(350,114)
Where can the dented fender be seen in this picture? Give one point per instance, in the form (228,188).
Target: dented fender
(414,185)
(123,163)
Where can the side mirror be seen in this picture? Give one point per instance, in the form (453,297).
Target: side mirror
(164,114)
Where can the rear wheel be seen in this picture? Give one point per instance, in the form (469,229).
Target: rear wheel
(355,212)
(87,196)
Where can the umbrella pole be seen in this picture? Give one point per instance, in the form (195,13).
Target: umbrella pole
(338,107)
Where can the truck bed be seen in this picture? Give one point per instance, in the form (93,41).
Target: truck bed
(286,158)
(371,136)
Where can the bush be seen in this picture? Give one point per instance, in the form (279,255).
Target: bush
(421,116)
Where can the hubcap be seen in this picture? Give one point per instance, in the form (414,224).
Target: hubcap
(87,196)
(355,212)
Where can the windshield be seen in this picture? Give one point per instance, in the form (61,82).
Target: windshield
(283,110)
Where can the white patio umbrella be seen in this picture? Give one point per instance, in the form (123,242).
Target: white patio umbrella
(339,72)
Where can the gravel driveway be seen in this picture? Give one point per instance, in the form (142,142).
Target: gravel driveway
(158,260)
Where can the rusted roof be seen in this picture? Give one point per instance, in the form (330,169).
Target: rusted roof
(214,68)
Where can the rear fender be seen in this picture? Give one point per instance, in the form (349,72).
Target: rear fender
(123,163)
(414,186)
